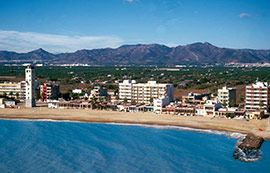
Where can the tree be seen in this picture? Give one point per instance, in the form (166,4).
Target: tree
(224,104)
(242,99)
(133,102)
(151,100)
(17,95)
(93,102)
(11,93)
(261,104)
(125,100)
(229,115)
(5,94)
(241,106)
(187,101)
(232,103)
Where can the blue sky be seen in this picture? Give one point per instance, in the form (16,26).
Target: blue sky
(69,25)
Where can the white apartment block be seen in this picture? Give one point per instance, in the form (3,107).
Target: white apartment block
(144,92)
(227,95)
(258,96)
(125,90)
(30,86)
(13,89)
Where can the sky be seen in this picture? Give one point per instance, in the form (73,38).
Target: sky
(69,25)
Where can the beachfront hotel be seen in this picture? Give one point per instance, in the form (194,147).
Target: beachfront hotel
(13,89)
(227,96)
(258,96)
(144,92)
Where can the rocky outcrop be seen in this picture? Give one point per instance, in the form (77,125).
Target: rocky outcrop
(251,142)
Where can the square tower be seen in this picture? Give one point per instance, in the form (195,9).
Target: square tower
(30,87)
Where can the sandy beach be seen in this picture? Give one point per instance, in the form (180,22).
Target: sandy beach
(230,125)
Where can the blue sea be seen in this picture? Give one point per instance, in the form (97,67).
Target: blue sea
(44,146)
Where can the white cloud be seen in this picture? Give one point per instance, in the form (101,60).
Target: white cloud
(245,15)
(27,41)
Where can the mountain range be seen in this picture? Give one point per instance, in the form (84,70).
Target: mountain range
(144,54)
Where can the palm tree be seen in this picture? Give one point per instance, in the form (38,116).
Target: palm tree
(17,95)
(93,102)
(151,100)
(261,104)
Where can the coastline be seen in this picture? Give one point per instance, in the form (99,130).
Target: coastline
(139,118)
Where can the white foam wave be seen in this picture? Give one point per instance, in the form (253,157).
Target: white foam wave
(228,134)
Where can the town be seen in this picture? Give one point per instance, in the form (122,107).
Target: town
(131,96)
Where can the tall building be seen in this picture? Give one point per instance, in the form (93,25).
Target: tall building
(144,92)
(30,87)
(258,96)
(227,96)
(125,90)
(49,91)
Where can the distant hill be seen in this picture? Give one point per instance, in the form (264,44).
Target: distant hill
(145,54)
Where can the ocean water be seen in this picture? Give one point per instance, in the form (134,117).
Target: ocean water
(38,146)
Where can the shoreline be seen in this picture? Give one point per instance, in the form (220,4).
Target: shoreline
(139,118)
(158,126)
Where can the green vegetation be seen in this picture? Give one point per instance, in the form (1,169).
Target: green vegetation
(187,78)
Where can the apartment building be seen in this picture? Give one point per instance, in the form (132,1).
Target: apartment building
(125,90)
(258,96)
(49,91)
(13,89)
(144,92)
(227,96)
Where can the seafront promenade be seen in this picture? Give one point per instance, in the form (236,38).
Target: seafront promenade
(257,127)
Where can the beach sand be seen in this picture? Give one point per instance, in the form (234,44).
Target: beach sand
(222,124)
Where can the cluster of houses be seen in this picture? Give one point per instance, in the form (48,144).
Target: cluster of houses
(151,96)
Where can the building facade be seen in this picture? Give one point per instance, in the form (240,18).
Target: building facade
(227,96)
(125,90)
(30,87)
(49,91)
(13,89)
(159,103)
(144,92)
(258,96)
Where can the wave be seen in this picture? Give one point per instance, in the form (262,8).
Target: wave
(217,132)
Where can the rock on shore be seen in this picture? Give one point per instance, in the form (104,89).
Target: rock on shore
(251,142)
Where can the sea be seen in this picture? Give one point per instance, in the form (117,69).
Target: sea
(51,146)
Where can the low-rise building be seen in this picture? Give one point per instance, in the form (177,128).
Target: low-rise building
(112,96)
(159,103)
(79,91)
(230,112)
(99,92)
(210,108)
(195,97)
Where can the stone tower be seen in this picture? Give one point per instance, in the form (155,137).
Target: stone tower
(30,87)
